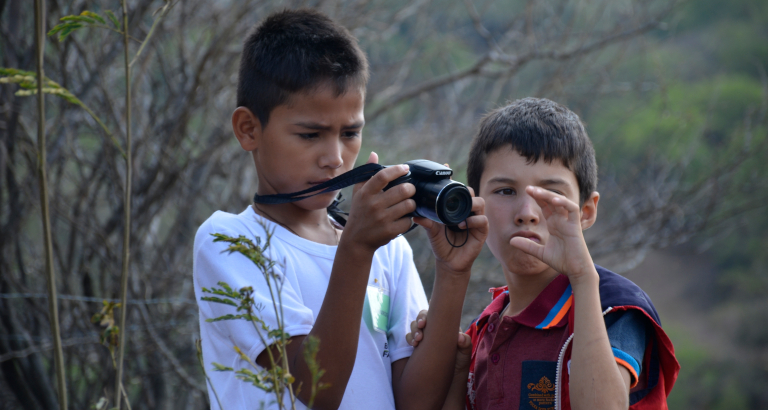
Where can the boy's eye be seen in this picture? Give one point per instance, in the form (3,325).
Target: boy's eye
(352,134)
(506,191)
(309,136)
(557,192)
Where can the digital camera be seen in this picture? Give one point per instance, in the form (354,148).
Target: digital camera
(437,196)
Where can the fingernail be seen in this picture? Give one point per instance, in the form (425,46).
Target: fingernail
(463,225)
(421,321)
(404,167)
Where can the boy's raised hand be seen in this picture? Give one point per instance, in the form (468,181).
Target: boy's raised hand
(565,250)
(378,216)
(454,257)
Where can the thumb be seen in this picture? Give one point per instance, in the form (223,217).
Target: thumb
(373,158)
(528,246)
(464,344)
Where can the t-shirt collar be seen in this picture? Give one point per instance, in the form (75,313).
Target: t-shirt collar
(549,309)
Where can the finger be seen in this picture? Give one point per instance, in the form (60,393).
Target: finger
(464,342)
(400,210)
(384,177)
(398,194)
(421,319)
(543,196)
(373,158)
(409,338)
(476,223)
(478,209)
(414,326)
(425,222)
(528,246)
(471,191)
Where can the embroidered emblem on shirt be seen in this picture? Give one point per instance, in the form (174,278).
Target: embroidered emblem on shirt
(537,391)
(544,385)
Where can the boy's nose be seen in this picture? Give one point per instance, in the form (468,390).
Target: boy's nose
(528,212)
(331,157)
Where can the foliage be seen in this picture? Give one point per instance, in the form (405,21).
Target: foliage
(276,378)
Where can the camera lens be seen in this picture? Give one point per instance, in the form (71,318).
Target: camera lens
(454,203)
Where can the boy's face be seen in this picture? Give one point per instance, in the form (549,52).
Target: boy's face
(512,212)
(316,136)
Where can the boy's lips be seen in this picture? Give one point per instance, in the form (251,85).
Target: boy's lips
(528,235)
(319,181)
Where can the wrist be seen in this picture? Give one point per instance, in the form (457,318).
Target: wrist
(442,269)
(584,277)
(355,249)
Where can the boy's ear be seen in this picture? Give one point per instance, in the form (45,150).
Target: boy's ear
(589,211)
(247,128)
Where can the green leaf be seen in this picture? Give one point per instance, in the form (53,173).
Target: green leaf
(228,317)
(277,333)
(219,300)
(113,19)
(221,368)
(68,29)
(56,29)
(94,16)
(80,19)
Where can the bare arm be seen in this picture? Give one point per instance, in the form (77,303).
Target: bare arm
(597,381)
(425,379)
(457,392)
(376,218)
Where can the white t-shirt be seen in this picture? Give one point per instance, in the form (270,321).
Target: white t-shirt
(306,269)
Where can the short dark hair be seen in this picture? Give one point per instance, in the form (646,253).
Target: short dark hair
(296,51)
(536,128)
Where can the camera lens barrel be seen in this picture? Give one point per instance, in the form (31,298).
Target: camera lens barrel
(444,201)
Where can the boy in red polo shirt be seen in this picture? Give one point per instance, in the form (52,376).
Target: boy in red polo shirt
(564,333)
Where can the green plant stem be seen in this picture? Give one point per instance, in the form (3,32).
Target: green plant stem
(127,214)
(162,14)
(53,308)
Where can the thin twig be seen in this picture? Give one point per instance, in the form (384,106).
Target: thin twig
(127,213)
(163,12)
(53,307)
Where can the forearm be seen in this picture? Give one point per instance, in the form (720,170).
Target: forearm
(341,309)
(429,371)
(595,379)
(457,393)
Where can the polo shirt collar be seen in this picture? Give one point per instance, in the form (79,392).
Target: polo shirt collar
(549,309)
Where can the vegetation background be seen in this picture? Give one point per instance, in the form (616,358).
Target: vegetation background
(674,95)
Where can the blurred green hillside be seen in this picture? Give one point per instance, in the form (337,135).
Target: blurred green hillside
(702,102)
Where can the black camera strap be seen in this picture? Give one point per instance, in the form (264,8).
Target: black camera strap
(351,177)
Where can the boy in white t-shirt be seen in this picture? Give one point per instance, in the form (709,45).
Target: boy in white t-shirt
(300,102)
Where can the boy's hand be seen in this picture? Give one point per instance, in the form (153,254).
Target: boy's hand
(458,258)
(565,250)
(463,344)
(377,216)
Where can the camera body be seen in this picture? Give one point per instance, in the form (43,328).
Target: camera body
(437,196)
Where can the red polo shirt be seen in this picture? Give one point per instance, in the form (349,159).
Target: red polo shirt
(516,360)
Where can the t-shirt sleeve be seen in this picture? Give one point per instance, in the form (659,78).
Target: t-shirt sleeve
(408,299)
(627,332)
(213,265)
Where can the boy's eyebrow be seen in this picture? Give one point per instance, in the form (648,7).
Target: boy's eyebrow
(502,180)
(320,127)
(553,181)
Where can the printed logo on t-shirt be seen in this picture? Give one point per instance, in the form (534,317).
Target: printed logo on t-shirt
(537,387)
